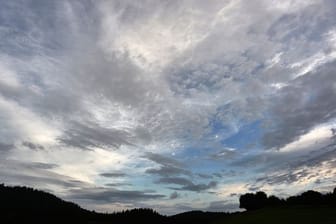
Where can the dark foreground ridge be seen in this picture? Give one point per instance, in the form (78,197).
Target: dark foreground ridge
(27,205)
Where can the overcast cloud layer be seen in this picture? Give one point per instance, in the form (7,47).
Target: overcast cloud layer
(174,105)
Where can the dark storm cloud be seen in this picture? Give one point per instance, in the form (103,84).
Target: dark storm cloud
(106,195)
(111,175)
(310,100)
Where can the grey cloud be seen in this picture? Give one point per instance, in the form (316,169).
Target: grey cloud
(168,166)
(89,135)
(65,84)
(37,181)
(47,166)
(311,156)
(316,157)
(199,187)
(106,195)
(205,176)
(117,184)
(35,174)
(222,206)
(5,147)
(174,195)
(254,188)
(163,160)
(171,171)
(309,101)
(192,79)
(304,167)
(168,171)
(113,175)
(284,178)
(232,173)
(175,180)
(25,36)
(32,145)
(217,175)
(223,154)
(187,184)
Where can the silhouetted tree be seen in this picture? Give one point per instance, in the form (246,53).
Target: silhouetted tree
(259,200)
(252,201)
(273,201)
(306,198)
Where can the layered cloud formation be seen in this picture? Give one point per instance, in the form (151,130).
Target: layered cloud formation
(174,105)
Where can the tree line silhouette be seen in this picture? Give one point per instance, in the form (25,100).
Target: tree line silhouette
(27,205)
(253,201)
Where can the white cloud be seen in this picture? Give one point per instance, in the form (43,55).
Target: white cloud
(21,124)
(8,77)
(316,138)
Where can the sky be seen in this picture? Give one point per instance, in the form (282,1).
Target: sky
(171,105)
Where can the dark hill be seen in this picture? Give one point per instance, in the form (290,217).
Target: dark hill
(27,205)
(197,217)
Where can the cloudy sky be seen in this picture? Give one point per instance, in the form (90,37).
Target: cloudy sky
(173,105)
